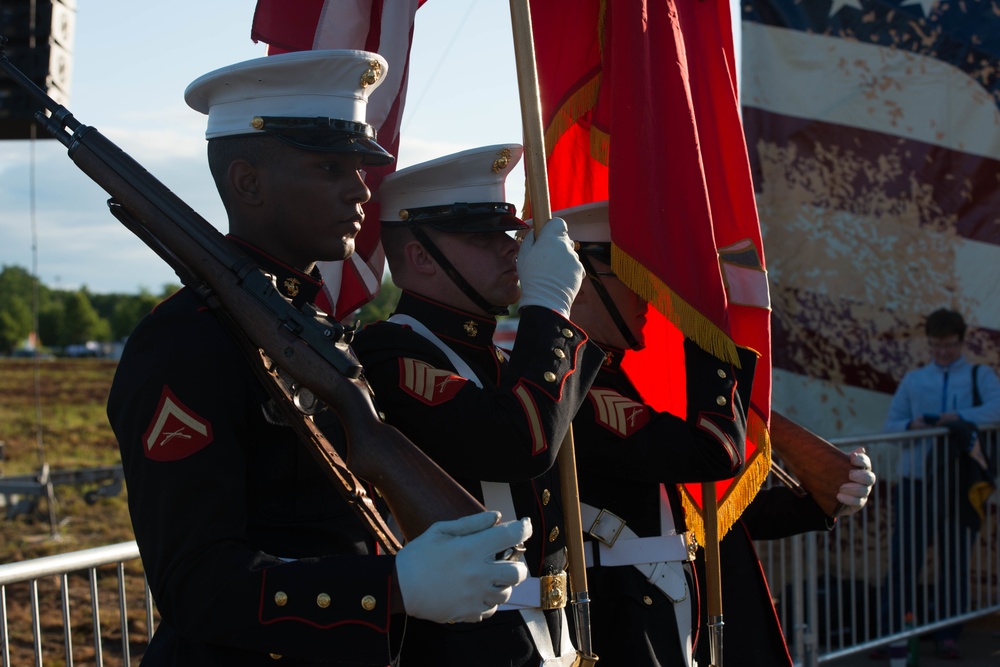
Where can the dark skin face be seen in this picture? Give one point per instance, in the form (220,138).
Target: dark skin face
(299,206)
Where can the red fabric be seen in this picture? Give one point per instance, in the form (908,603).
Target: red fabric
(661,139)
(295,25)
(286,25)
(568,60)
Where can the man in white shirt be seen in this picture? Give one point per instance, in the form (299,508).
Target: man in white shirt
(949,392)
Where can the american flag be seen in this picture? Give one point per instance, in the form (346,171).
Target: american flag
(873,130)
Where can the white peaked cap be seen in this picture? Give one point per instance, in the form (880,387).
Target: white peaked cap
(327,84)
(587,223)
(475,176)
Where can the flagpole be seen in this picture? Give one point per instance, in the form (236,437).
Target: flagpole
(541,212)
(713,572)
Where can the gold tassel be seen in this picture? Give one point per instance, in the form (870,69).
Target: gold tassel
(741,492)
(579,102)
(600,145)
(685,317)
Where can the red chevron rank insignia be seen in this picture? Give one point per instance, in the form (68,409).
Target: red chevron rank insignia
(617,413)
(175,431)
(428,384)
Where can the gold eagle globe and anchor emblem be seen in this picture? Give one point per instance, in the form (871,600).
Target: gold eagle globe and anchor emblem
(291,286)
(372,74)
(471,329)
(502,161)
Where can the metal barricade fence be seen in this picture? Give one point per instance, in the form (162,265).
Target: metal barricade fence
(848,591)
(24,585)
(837,593)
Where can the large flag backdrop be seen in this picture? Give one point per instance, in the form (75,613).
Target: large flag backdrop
(384,27)
(874,137)
(639,107)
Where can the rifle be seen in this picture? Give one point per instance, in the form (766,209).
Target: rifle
(817,464)
(307,345)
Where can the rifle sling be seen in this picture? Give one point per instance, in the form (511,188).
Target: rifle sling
(349,486)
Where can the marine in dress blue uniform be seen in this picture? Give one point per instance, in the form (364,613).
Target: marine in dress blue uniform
(630,459)
(252,556)
(483,414)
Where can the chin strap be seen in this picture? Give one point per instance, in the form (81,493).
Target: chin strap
(609,304)
(453,273)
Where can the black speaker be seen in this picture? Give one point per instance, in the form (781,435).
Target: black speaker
(40,44)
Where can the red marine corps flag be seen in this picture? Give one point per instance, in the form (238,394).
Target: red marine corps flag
(639,106)
(369,25)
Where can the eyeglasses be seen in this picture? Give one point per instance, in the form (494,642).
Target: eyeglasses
(944,346)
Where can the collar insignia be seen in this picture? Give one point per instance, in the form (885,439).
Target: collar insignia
(292,286)
(471,329)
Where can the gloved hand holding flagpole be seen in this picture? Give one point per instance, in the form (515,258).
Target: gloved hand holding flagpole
(538,190)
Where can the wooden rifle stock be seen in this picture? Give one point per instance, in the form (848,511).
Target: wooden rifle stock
(815,462)
(307,345)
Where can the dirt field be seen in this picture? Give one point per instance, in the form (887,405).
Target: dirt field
(52,411)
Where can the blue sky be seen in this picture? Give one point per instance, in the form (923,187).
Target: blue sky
(132,60)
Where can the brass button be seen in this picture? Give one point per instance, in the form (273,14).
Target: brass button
(546,496)
(323,600)
(549,376)
(368,602)
(559,353)
(553,534)
(499,354)
(275,656)
(721,373)
(281,598)
(721,400)
(257,123)
(647,599)
(567,333)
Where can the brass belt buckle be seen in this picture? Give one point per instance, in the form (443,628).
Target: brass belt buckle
(553,591)
(607,527)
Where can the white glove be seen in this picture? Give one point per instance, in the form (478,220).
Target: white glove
(451,572)
(549,269)
(854,494)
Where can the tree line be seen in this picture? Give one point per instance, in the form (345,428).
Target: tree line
(66,317)
(73,317)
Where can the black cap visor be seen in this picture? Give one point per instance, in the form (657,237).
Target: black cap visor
(463,218)
(329,135)
(601,251)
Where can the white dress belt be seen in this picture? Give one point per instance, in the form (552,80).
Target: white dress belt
(630,549)
(657,558)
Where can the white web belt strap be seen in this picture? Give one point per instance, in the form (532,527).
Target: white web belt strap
(658,558)
(526,596)
(461,367)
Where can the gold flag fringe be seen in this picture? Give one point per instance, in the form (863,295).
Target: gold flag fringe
(716,342)
(683,315)
(741,492)
(580,102)
(600,145)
